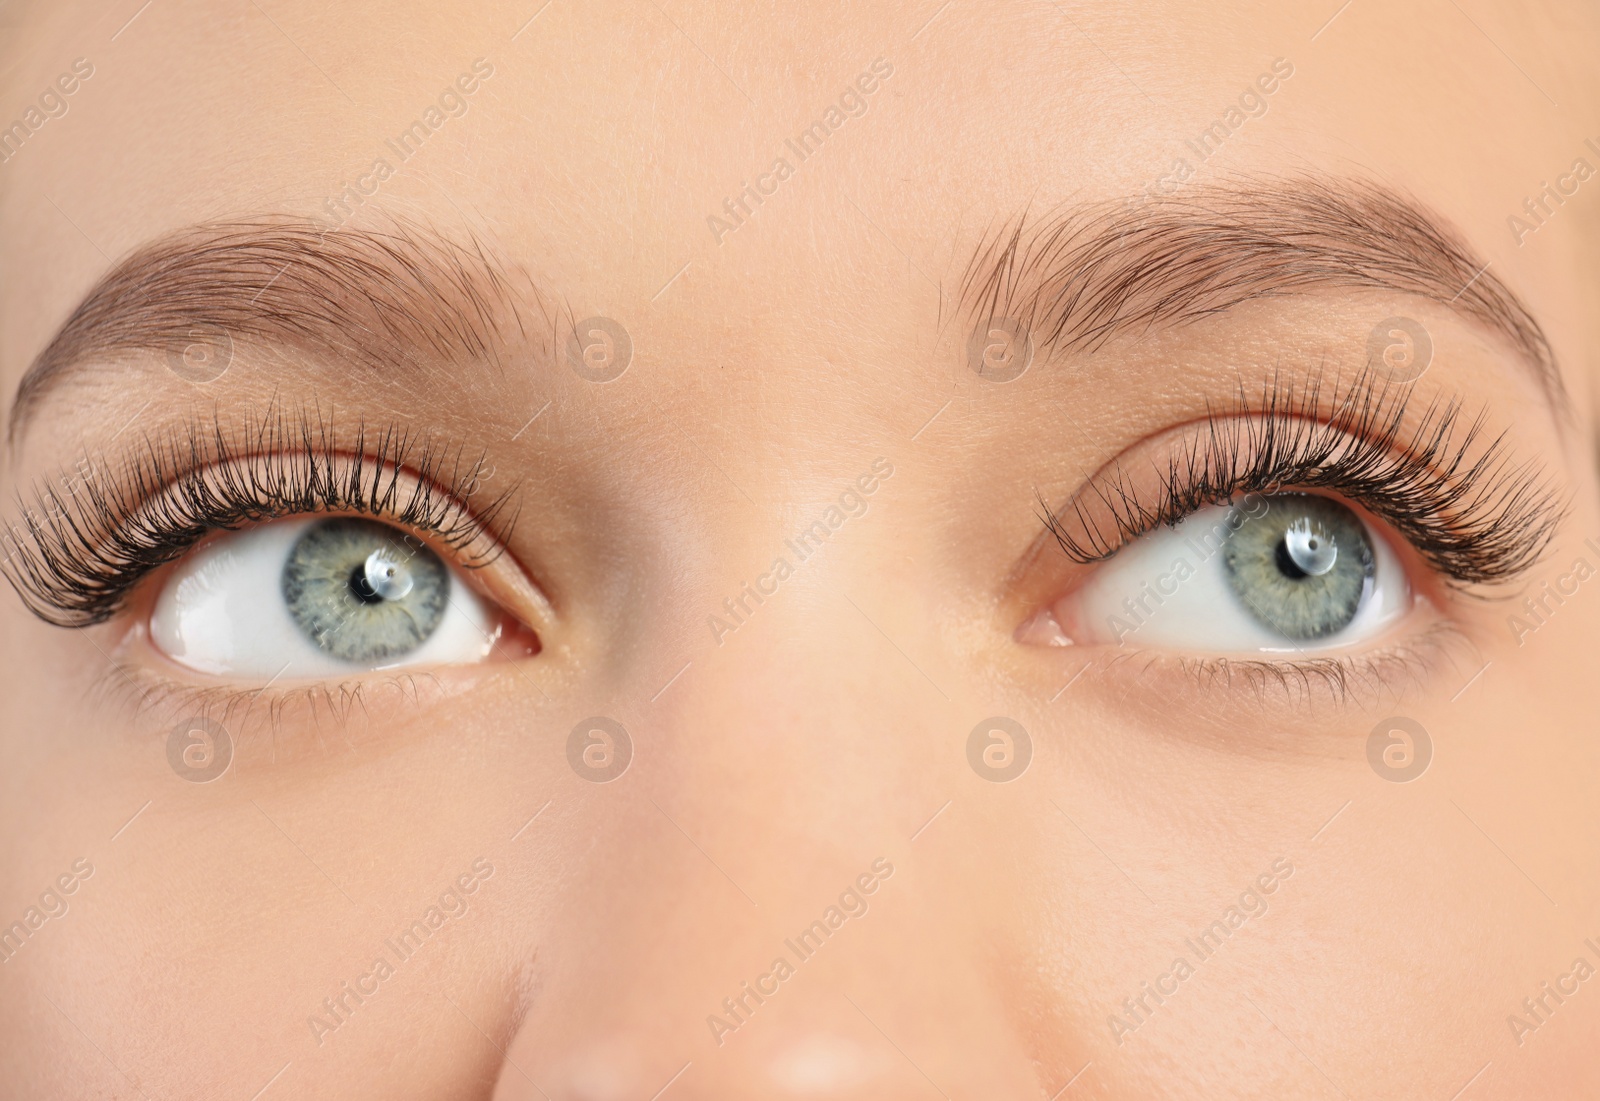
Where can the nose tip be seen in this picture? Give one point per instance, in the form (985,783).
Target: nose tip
(824,1064)
(611,1069)
(803,1067)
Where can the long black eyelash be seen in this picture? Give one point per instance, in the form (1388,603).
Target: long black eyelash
(80,550)
(1476,519)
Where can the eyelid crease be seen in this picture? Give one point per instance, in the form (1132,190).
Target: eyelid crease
(1476,519)
(77,555)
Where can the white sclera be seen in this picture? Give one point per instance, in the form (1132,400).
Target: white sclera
(222,612)
(1203,613)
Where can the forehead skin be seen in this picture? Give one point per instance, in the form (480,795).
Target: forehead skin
(773,363)
(606,137)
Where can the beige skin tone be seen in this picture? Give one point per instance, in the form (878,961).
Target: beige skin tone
(827,731)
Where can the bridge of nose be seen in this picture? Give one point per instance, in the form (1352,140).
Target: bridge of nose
(754,912)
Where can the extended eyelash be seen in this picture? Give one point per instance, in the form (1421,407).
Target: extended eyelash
(1476,519)
(78,554)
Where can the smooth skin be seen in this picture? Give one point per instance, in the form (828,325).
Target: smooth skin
(775,764)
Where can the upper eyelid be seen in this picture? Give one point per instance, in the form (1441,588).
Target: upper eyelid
(1504,518)
(74,565)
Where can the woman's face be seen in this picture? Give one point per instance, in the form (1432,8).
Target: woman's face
(621,551)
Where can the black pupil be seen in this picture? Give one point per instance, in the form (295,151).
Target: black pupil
(359,585)
(1286,563)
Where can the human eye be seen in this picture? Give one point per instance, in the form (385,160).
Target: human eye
(318,597)
(1278,573)
(277,554)
(1304,527)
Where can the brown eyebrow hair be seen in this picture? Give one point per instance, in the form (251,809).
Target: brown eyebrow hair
(391,300)
(1079,276)
(386,301)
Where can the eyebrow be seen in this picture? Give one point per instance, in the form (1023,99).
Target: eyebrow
(1079,276)
(390,303)
(401,299)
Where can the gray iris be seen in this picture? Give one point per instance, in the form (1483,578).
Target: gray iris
(363,591)
(1302,566)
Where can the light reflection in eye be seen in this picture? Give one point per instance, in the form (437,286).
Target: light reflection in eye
(318,597)
(1290,572)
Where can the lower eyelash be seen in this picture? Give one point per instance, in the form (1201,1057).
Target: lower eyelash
(335,714)
(1476,519)
(74,558)
(1362,680)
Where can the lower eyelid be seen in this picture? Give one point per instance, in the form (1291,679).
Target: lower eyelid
(1296,704)
(282,724)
